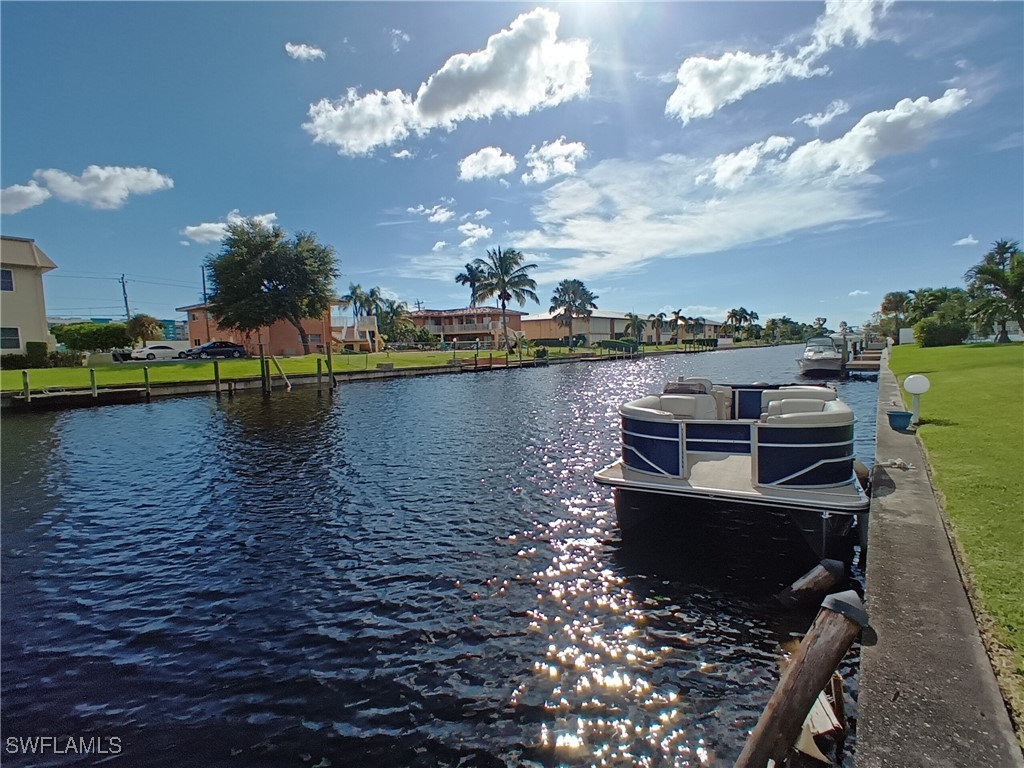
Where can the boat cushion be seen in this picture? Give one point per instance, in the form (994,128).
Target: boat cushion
(833,412)
(795,405)
(806,393)
(648,408)
(702,407)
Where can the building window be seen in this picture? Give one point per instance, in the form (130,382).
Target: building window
(6,280)
(197,342)
(314,338)
(10,338)
(195,317)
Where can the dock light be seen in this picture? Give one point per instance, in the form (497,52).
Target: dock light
(916,385)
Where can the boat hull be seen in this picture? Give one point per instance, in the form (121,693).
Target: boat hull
(820,365)
(790,539)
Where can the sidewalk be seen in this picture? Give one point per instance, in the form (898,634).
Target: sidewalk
(928,696)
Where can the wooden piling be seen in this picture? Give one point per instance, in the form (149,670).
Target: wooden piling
(216,377)
(145,378)
(25,387)
(840,620)
(813,584)
(319,374)
(92,382)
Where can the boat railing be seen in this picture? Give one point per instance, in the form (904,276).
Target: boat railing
(797,442)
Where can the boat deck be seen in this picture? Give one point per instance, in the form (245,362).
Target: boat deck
(728,477)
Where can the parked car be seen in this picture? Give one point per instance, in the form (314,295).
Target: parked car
(216,349)
(157,352)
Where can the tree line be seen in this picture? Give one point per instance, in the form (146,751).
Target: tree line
(992,297)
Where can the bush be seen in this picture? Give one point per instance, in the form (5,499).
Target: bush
(541,353)
(933,332)
(65,359)
(36,352)
(14,361)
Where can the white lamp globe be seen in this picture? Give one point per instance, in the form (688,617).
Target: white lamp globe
(916,384)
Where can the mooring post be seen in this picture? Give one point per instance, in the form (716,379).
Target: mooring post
(145,377)
(92,382)
(319,373)
(840,620)
(264,372)
(813,584)
(216,377)
(330,371)
(25,387)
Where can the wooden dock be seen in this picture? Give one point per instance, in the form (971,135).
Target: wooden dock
(77,398)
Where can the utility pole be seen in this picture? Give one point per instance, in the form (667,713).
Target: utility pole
(419,305)
(124,292)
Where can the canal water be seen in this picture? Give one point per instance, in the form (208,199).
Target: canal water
(415,572)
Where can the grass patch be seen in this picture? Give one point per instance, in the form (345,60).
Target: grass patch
(972,424)
(120,374)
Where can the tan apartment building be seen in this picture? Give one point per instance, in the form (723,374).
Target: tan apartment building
(469,325)
(22,303)
(605,325)
(342,333)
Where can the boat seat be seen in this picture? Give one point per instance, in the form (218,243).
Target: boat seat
(834,412)
(701,407)
(806,393)
(647,408)
(793,405)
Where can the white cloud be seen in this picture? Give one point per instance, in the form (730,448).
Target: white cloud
(473,233)
(402,154)
(304,52)
(437,214)
(706,85)
(556,158)
(486,163)
(439,245)
(398,39)
(483,213)
(619,214)
(969,240)
(730,171)
(876,135)
(20,197)
(523,68)
(858,292)
(106,187)
(215,231)
(834,110)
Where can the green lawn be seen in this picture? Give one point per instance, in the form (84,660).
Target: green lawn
(120,374)
(972,424)
(199,370)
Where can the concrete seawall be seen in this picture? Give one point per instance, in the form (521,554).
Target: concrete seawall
(928,695)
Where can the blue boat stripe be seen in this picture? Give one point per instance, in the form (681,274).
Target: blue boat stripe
(650,437)
(811,468)
(804,445)
(648,462)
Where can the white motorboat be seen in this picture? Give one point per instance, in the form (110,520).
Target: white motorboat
(821,356)
(755,447)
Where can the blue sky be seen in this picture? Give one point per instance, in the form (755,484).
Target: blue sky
(795,158)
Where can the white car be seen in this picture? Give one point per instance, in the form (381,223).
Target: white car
(157,352)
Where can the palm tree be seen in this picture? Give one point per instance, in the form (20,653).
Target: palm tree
(697,324)
(657,321)
(679,321)
(751,318)
(144,328)
(735,318)
(895,303)
(1000,275)
(470,277)
(572,299)
(356,298)
(635,325)
(505,276)
(819,323)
